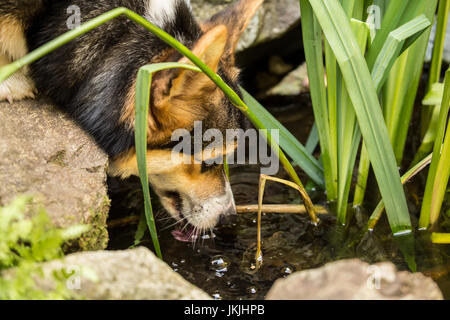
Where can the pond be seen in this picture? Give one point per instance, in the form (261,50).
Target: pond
(223,264)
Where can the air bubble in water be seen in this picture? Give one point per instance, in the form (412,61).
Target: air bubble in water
(216,296)
(219,264)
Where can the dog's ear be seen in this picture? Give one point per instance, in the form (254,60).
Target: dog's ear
(180,96)
(210,49)
(236,18)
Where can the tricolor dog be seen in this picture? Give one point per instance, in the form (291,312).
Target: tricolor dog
(93,78)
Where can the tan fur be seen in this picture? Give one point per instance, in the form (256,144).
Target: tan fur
(236,20)
(162,161)
(128,112)
(178,174)
(190,94)
(12,38)
(12,47)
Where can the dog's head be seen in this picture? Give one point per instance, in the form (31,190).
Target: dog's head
(190,187)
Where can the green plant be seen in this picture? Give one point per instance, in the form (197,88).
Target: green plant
(400,89)
(24,243)
(437,183)
(358,91)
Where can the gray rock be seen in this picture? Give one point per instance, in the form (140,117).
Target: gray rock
(44,154)
(272,20)
(125,275)
(293,84)
(355,280)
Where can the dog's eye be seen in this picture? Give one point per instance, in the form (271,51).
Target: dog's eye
(208,166)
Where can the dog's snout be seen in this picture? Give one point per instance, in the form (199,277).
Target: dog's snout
(226,219)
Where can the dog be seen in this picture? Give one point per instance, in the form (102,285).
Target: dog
(93,78)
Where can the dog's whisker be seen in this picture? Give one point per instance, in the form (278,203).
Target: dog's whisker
(174,224)
(212,234)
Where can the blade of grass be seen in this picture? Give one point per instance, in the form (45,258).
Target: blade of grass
(391,21)
(287,142)
(313,139)
(440,238)
(433,191)
(333,83)
(429,115)
(393,46)
(438,48)
(140,232)
(441,181)
(342,121)
(376,215)
(349,135)
(143,85)
(312,42)
(381,70)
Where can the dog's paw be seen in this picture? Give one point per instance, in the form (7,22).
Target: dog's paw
(16,88)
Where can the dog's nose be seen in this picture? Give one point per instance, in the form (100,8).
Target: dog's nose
(228,217)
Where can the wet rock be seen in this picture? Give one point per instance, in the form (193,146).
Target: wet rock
(121,275)
(44,154)
(278,66)
(355,279)
(293,84)
(272,20)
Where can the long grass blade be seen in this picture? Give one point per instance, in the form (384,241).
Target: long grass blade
(440,238)
(143,85)
(313,139)
(312,42)
(435,187)
(382,67)
(376,215)
(287,141)
(349,135)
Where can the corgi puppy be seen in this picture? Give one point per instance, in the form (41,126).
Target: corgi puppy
(93,78)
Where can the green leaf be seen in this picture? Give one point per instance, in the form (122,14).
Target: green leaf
(393,46)
(140,232)
(143,85)
(74,232)
(313,139)
(312,43)
(437,183)
(440,238)
(286,140)
(434,96)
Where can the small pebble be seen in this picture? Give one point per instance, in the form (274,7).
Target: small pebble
(252,290)
(217,296)
(219,264)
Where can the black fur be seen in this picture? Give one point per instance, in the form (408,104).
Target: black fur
(91,76)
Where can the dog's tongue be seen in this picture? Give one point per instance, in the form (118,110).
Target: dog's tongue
(186,235)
